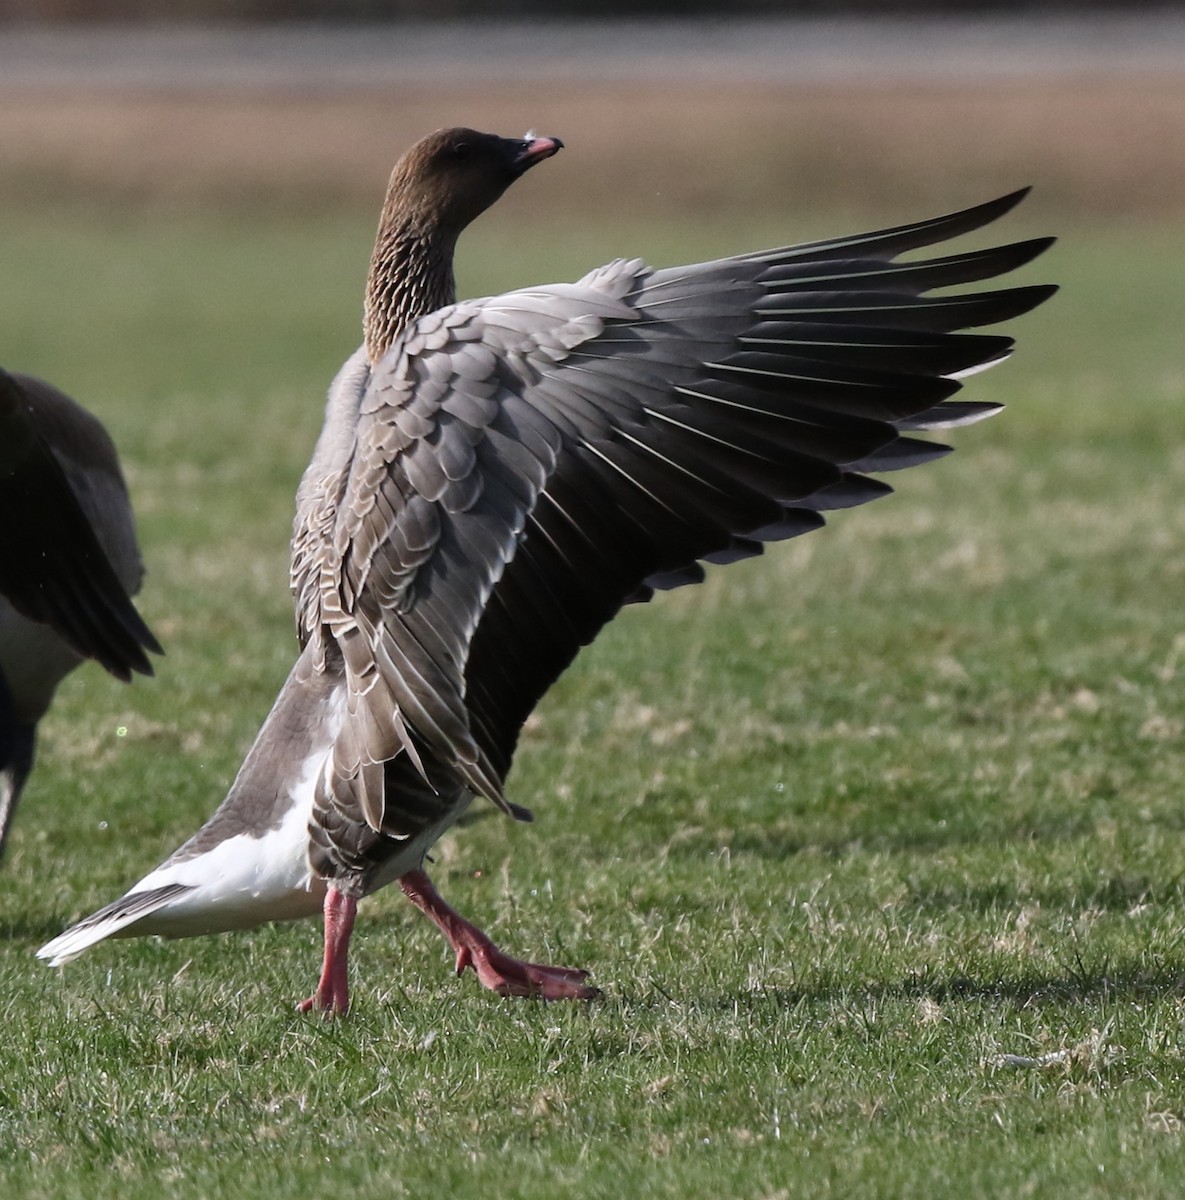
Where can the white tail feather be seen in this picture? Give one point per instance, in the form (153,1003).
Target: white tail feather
(124,912)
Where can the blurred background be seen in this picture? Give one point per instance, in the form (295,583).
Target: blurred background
(708,110)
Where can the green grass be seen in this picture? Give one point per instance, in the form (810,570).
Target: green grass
(836,832)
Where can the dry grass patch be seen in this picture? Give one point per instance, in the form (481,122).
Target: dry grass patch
(1114,145)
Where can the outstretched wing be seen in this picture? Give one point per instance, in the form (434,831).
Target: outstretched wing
(527,464)
(53,567)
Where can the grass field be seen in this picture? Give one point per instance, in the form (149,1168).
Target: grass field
(837,833)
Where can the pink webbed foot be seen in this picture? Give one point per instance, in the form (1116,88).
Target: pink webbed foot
(332,996)
(512,977)
(495,969)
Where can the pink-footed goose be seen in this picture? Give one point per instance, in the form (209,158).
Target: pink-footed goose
(69,564)
(497,477)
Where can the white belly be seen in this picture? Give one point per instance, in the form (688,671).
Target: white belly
(33,661)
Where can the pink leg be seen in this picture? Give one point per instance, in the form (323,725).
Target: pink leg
(497,971)
(333,991)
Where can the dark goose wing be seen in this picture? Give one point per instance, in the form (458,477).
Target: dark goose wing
(528,463)
(52,567)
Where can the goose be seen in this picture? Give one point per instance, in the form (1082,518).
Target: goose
(496,478)
(69,565)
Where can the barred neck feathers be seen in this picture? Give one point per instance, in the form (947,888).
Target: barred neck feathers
(411,273)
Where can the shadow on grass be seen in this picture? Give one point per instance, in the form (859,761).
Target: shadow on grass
(1111,894)
(34,929)
(784,837)
(1074,986)
(926,835)
(1025,990)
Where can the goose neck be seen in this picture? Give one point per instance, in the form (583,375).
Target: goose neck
(411,274)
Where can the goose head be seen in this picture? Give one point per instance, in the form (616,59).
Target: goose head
(452,176)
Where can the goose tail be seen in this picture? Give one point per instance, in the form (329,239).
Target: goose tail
(108,921)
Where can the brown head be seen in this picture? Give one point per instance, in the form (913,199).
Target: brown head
(441,184)
(453,175)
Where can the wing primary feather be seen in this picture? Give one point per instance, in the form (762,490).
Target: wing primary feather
(900,238)
(920,276)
